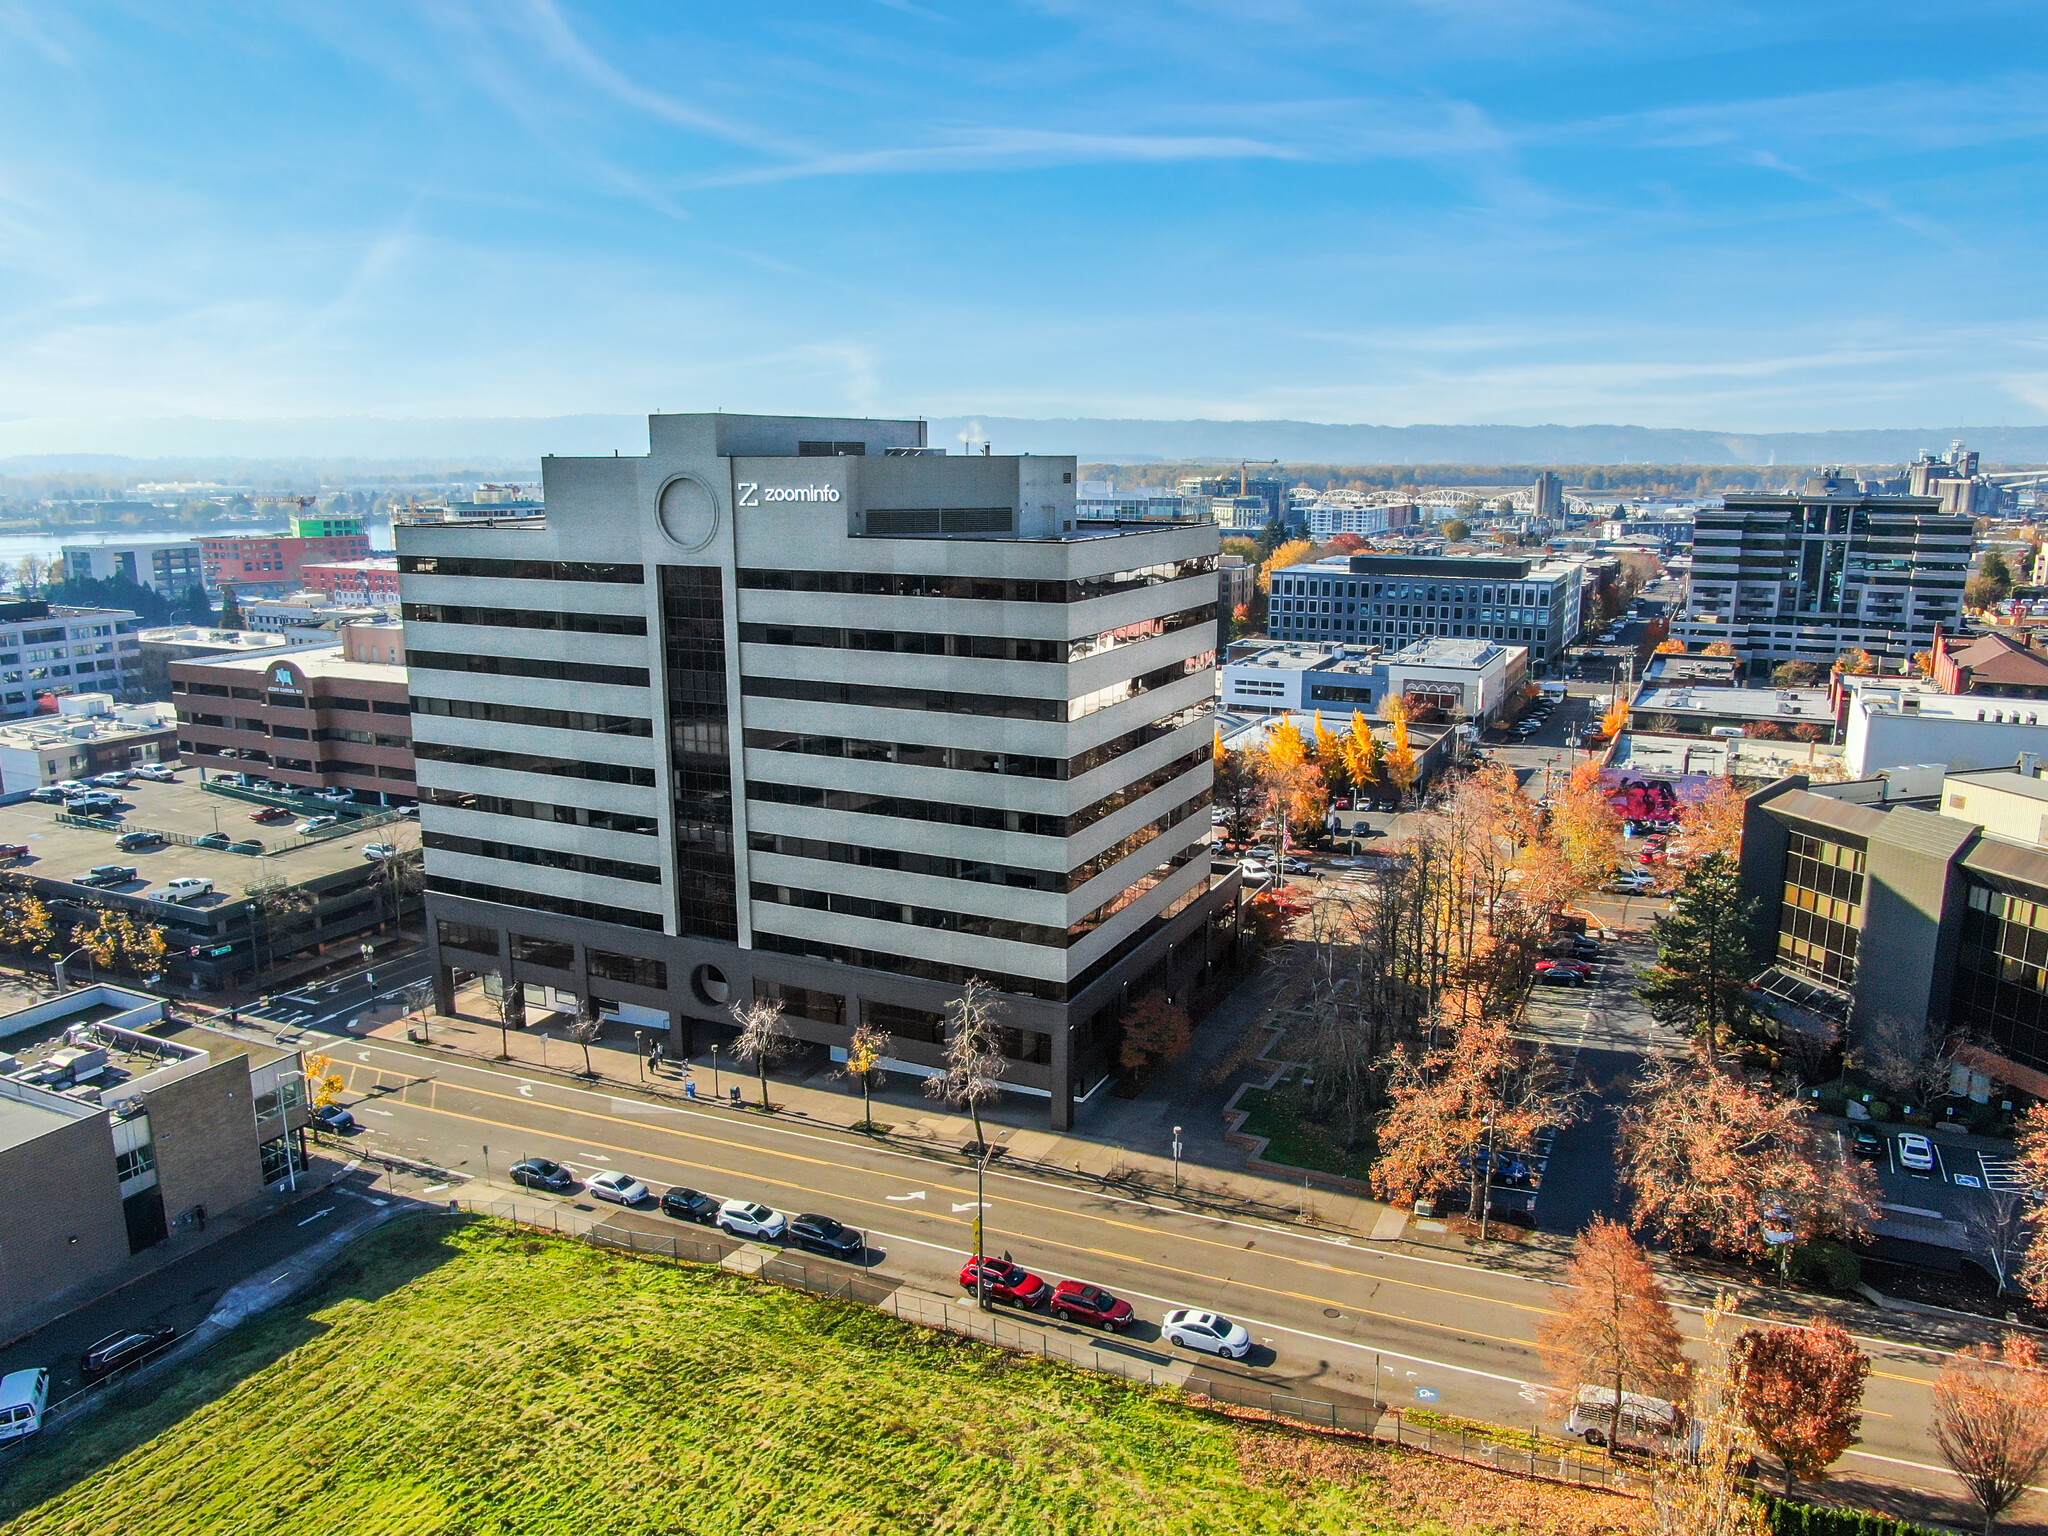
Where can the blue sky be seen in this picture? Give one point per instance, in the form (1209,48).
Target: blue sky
(1752,217)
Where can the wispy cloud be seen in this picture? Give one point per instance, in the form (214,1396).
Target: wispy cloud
(982,148)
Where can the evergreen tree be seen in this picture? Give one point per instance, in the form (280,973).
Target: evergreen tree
(1705,955)
(230,611)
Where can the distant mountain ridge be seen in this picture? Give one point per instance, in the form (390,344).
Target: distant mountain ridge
(165,447)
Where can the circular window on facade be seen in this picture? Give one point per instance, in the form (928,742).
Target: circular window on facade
(708,982)
(688,511)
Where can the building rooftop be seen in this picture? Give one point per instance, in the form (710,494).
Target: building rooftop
(27,1113)
(1441,651)
(219,639)
(57,730)
(318,662)
(1309,658)
(1751,703)
(1957,708)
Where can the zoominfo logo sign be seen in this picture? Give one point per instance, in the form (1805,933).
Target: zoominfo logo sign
(754,494)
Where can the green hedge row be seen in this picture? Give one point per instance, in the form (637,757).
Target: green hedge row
(1789,1517)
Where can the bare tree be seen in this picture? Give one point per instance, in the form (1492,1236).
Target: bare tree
(511,1011)
(1996,1223)
(1909,1053)
(273,904)
(764,1037)
(973,1077)
(974,1064)
(1991,1421)
(585,1032)
(1702,1493)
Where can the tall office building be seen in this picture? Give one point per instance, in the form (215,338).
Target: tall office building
(1807,577)
(1390,601)
(803,709)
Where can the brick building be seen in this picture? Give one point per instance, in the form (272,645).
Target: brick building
(371,583)
(335,716)
(273,564)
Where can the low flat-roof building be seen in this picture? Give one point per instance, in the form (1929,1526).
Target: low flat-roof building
(118,1134)
(1690,710)
(188,642)
(1466,680)
(303,612)
(332,717)
(89,734)
(171,567)
(1894,722)
(371,583)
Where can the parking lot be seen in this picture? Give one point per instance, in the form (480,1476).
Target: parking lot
(61,853)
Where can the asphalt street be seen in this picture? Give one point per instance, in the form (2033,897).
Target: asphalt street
(1331,1312)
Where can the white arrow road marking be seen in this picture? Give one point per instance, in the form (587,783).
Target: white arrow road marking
(915,1194)
(526,1090)
(324,1211)
(970,1205)
(384,1112)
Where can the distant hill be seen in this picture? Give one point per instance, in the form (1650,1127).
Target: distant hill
(1308,442)
(369,446)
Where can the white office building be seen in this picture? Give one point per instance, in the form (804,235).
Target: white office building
(804,709)
(171,567)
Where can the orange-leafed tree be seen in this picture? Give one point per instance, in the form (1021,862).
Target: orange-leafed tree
(1293,552)
(1364,763)
(1585,825)
(1612,1326)
(1403,768)
(1710,1158)
(1672,647)
(1156,1029)
(1991,1422)
(2030,1150)
(1800,1391)
(1719,648)
(1615,719)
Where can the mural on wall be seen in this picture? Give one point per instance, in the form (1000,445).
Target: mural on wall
(1643,796)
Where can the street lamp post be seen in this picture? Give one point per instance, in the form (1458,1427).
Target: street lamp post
(1176,1159)
(714,1074)
(1486,1180)
(980,1246)
(367,950)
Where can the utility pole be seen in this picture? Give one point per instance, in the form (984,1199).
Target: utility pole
(1486,1177)
(1176,1159)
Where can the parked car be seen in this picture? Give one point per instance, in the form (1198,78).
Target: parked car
(619,1188)
(542,1173)
(1865,1142)
(316,824)
(1555,978)
(271,813)
(1632,882)
(1503,1166)
(212,840)
(49,794)
(1206,1332)
(380,850)
(1578,968)
(108,874)
(1916,1152)
(9,852)
(408,810)
(119,1349)
(1077,1302)
(1296,866)
(690,1205)
(749,1218)
(187,888)
(338,795)
(156,773)
(23,1395)
(130,842)
(332,1117)
(94,800)
(1003,1281)
(822,1234)
(246,845)
(119,778)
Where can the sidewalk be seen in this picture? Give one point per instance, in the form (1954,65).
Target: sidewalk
(1126,1145)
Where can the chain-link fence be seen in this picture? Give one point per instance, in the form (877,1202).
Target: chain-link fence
(1526,1455)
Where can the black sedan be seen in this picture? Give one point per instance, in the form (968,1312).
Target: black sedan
(690,1205)
(332,1117)
(821,1234)
(539,1173)
(119,1349)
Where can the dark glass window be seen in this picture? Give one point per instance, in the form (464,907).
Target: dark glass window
(803,1002)
(631,969)
(2002,974)
(467,936)
(534,810)
(526,666)
(520,570)
(525,618)
(1820,916)
(918,1024)
(527,762)
(525,714)
(552,953)
(549,858)
(700,750)
(596,912)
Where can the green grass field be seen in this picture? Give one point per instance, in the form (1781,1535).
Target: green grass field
(472,1378)
(1296,1138)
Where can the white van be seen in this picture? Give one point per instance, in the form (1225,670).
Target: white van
(1647,1423)
(23,1396)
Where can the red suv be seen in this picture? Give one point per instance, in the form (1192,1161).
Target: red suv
(1078,1303)
(1004,1281)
